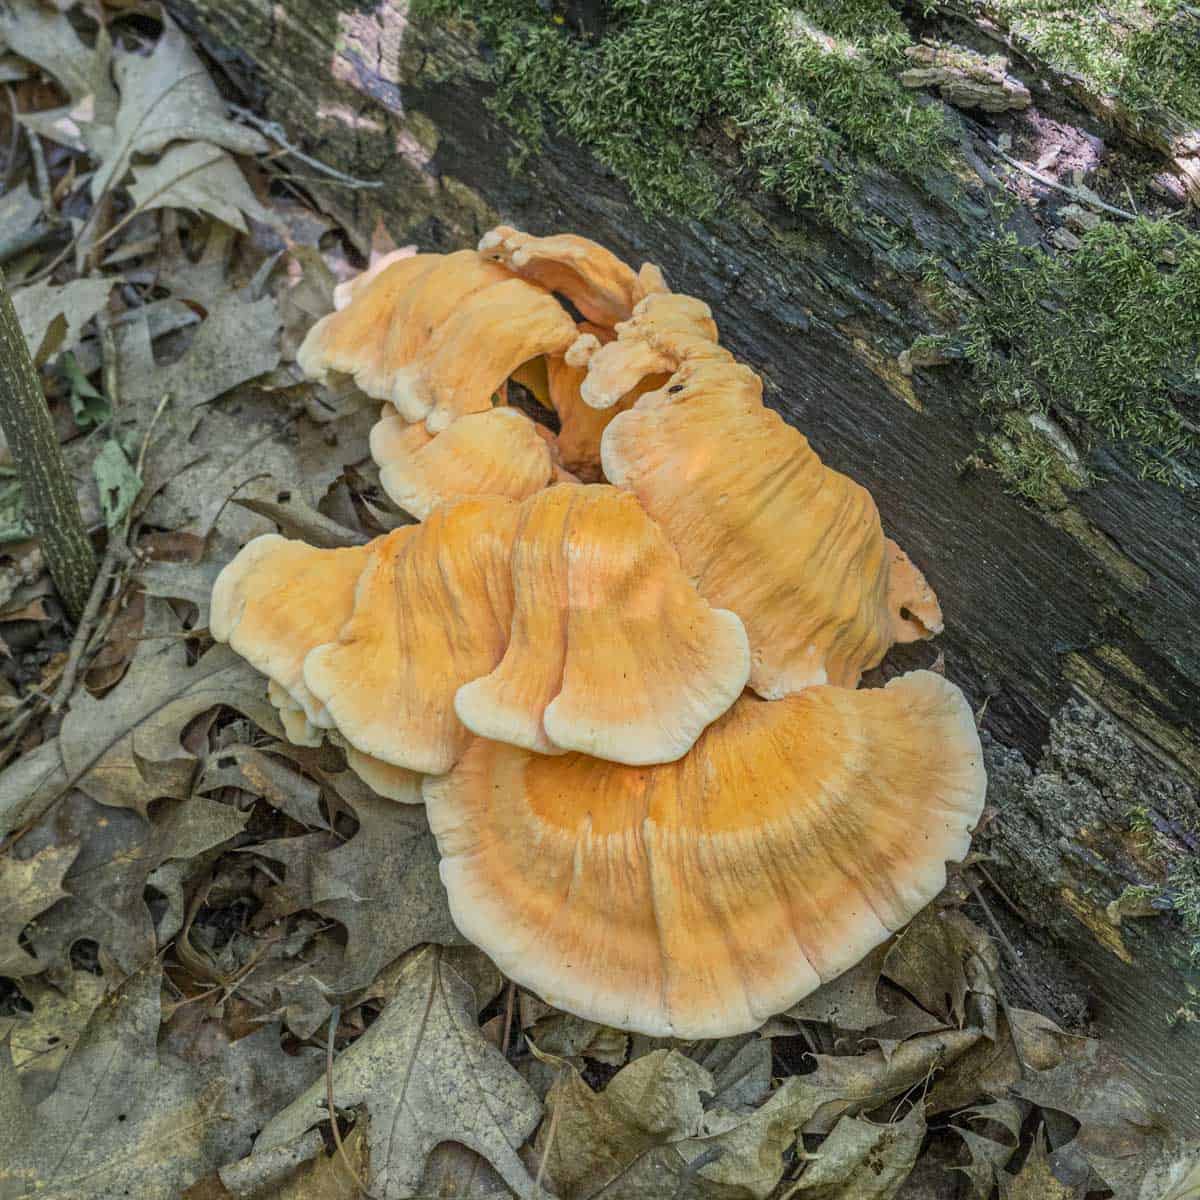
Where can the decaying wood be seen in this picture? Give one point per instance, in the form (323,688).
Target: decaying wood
(1094,603)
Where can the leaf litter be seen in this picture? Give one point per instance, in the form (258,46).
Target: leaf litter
(227,967)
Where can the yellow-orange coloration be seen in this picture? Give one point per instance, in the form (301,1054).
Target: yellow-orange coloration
(431,611)
(595,281)
(344,292)
(278,599)
(764,529)
(437,335)
(581,425)
(696,898)
(665,330)
(494,453)
(298,729)
(392,783)
(611,652)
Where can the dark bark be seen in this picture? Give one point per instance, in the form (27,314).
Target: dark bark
(1095,600)
(49,496)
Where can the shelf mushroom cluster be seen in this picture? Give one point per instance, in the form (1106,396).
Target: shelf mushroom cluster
(619,662)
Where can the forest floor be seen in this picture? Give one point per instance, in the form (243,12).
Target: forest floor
(227,968)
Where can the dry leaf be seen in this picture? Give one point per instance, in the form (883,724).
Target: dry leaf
(382,884)
(421,1075)
(648,1134)
(72,305)
(200,177)
(849,1001)
(987,1154)
(41,1040)
(124,750)
(29,887)
(118,852)
(1036,1181)
(130,1119)
(166,96)
(863,1161)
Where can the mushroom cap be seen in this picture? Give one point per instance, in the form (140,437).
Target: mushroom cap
(297,728)
(765,529)
(392,783)
(696,898)
(580,425)
(276,600)
(592,278)
(468,359)
(432,610)
(611,650)
(494,453)
(437,335)
(665,330)
(344,292)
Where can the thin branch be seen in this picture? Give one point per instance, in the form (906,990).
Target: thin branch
(274,131)
(1088,198)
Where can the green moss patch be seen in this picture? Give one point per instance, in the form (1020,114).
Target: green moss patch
(800,93)
(1107,338)
(1143,53)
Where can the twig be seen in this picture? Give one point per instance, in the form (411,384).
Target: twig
(83,631)
(39,167)
(1088,198)
(508,1017)
(14,138)
(272,130)
(537,1184)
(332,1108)
(1035,988)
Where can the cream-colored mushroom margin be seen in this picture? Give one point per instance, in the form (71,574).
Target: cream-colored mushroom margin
(766,530)
(611,651)
(495,453)
(274,602)
(437,336)
(665,331)
(697,898)
(432,610)
(593,279)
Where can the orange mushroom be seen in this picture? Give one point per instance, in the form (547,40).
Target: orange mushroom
(436,335)
(278,599)
(665,330)
(766,530)
(592,278)
(696,898)
(495,453)
(432,610)
(611,651)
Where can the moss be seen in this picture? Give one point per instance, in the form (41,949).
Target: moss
(799,94)
(1031,465)
(1181,869)
(1145,54)
(1106,338)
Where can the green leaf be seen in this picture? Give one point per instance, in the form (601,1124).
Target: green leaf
(89,406)
(118,482)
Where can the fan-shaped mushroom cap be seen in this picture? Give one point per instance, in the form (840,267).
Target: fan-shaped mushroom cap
(432,610)
(298,729)
(494,453)
(437,335)
(611,652)
(694,899)
(276,600)
(468,359)
(664,331)
(580,425)
(595,281)
(766,530)
(392,783)
(344,292)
